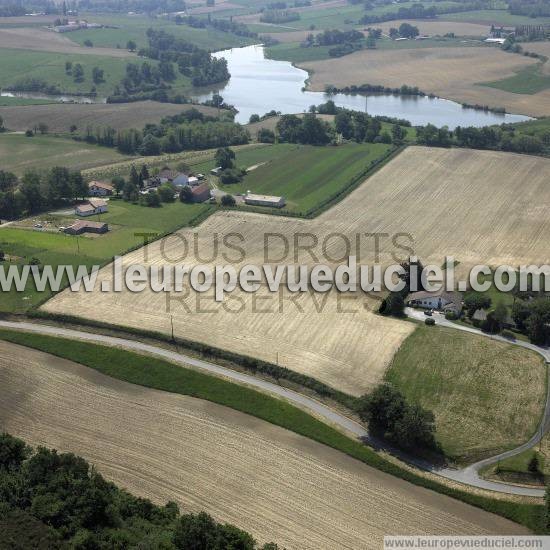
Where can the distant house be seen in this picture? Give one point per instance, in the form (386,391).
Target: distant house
(216,171)
(81,226)
(151,183)
(192,181)
(91,207)
(171,176)
(100,189)
(264,200)
(442,300)
(495,40)
(200,192)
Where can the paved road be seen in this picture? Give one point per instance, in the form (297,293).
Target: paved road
(467,475)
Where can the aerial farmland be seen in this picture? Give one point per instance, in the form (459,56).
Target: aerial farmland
(147,146)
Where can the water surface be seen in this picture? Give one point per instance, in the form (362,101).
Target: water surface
(259,85)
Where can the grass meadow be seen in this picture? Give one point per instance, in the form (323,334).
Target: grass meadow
(487,396)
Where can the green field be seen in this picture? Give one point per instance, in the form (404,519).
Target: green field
(134,27)
(54,248)
(20,153)
(293,52)
(305,175)
(529,80)
(487,396)
(16,65)
(497,17)
(156,373)
(18,101)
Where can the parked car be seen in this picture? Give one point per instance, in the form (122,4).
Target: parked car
(428,312)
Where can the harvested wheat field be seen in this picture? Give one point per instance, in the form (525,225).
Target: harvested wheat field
(60,117)
(241,470)
(29,38)
(452,73)
(497,210)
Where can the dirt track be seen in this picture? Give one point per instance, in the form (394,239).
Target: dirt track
(276,484)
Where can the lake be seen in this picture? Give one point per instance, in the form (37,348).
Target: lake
(259,85)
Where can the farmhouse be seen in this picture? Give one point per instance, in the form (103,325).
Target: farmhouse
(200,192)
(216,171)
(171,176)
(79,227)
(91,207)
(443,300)
(264,200)
(100,189)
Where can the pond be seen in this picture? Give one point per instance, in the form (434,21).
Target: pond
(259,85)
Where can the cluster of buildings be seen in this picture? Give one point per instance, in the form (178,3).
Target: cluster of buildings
(442,300)
(71,26)
(200,191)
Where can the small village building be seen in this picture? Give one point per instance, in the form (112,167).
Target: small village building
(178,179)
(100,189)
(264,200)
(441,300)
(91,207)
(216,171)
(200,192)
(82,226)
(192,181)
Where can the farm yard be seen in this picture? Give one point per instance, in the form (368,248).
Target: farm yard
(126,221)
(60,117)
(449,372)
(258,476)
(452,73)
(467,182)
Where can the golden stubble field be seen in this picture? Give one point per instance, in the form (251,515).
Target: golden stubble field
(271,482)
(452,73)
(477,206)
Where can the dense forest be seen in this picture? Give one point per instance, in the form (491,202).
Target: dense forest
(57,500)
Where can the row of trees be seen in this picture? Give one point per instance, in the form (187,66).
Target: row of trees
(189,130)
(38,192)
(57,500)
(503,138)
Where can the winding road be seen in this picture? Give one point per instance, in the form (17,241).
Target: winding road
(468,476)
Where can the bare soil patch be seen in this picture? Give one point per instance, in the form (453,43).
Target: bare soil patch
(60,117)
(28,38)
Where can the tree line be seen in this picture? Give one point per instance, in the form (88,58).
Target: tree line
(57,500)
(36,192)
(190,130)
(498,138)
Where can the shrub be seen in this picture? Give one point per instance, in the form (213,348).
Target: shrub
(430,322)
(451,316)
(228,200)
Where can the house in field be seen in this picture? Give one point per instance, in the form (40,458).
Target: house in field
(100,189)
(264,200)
(192,181)
(200,192)
(91,207)
(216,171)
(441,300)
(179,179)
(81,226)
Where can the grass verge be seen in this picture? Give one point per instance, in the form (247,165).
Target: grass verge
(156,373)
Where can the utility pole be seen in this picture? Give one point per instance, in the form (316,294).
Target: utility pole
(172,326)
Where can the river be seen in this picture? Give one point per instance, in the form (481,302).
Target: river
(259,85)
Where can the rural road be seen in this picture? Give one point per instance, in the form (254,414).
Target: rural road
(468,476)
